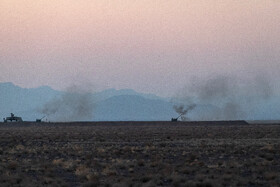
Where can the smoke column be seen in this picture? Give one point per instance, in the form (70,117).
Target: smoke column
(227,97)
(73,105)
(183,110)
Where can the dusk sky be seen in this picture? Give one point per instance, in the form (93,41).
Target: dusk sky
(152,46)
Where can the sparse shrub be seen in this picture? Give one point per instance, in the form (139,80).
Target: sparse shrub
(91,184)
(204,184)
(109,171)
(58,162)
(93,177)
(82,171)
(141,163)
(154,164)
(192,157)
(270,175)
(130,170)
(177,179)
(12,165)
(269,156)
(227,177)
(162,144)
(150,183)
(145,179)
(200,177)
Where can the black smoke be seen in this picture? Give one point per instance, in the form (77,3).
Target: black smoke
(183,110)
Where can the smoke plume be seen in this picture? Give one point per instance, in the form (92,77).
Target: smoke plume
(73,105)
(225,97)
(183,110)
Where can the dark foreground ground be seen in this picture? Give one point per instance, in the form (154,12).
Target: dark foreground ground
(139,154)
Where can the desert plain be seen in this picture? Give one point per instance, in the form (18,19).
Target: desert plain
(139,154)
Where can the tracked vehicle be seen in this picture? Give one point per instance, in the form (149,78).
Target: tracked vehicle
(176,119)
(40,120)
(12,118)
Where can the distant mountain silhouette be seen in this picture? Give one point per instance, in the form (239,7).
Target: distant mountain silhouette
(110,104)
(133,107)
(23,101)
(105,94)
(117,105)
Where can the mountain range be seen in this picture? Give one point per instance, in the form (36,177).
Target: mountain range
(111,105)
(107,105)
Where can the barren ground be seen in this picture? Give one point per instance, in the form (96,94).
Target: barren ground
(139,154)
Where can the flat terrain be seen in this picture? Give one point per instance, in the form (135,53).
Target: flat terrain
(140,154)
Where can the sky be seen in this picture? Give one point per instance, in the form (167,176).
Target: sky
(151,46)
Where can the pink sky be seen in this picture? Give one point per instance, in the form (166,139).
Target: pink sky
(151,46)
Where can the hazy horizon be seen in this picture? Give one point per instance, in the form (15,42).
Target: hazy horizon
(213,100)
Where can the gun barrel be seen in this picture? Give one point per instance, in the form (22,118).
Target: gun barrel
(179,116)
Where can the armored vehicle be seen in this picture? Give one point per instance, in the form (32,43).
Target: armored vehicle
(40,120)
(12,118)
(176,119)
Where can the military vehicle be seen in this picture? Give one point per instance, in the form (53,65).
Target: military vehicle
(40,120)
(176,119)
(12,118)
